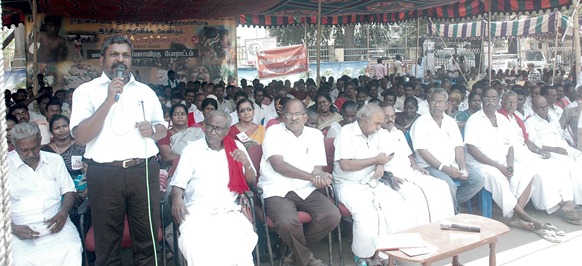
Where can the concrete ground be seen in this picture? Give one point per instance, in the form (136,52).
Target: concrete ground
(516,248)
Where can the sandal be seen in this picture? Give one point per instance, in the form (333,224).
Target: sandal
(547,235)
(555,229)
(360,261)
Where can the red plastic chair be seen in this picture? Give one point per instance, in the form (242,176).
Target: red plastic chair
(344,212)
(89,237)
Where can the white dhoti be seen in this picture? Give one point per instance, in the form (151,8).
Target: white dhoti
(573,162)
(223,237)
(505,192)
(61,249)
(375,211)
(555,182)
(429,197)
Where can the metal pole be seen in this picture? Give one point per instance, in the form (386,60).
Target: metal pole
(489,56)
(555,51)
(405,43)
(35,48)
(318,41)
(368,41)
(306,43)
(305,35)
(5,217)
(417,46)
(577,55)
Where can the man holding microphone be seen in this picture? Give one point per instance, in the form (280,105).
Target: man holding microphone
(120,119)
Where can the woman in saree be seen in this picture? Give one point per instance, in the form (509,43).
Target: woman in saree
(245,131)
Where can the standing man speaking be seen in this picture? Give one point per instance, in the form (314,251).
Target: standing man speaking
(119,119)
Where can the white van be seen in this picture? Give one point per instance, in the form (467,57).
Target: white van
(501,61)
(535,57)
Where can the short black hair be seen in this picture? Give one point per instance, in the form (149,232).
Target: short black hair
(54,101)
(17,106)
(115,39)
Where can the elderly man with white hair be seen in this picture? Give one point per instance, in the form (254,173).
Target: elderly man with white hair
(41,193)
(545,132)
(363,153)
(209,191)
(430,196)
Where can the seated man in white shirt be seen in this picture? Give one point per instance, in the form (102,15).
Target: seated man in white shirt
(434,202)
(20,111)
(363,152)
(204,197)
(546,132)
(42,232)
(551,95)
(291,171)
(261,110)
(522,111)
(557,176)
(490,154)
(437,141)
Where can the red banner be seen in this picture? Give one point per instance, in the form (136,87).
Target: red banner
(282,61)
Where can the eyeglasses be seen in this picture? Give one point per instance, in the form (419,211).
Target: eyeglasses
(218,130)
(243,110)
(437,102)
(490,99)
(291,115)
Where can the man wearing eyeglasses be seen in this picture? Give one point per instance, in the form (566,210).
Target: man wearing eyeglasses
(291,171)
(437,140)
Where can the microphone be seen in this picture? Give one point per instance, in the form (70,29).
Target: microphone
(447,225)
(120,70)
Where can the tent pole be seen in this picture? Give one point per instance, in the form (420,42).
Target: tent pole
(35,69)
(305,34)
(368,42)
(489,56)
(5,223)
(577,55)
(318,41)
(555,52)
(306,43)
(445,45)
(417,45)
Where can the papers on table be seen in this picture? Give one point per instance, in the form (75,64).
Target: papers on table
(410,244)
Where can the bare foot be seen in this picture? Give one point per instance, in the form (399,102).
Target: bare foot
(521,224)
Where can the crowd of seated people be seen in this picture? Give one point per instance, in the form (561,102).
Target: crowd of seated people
(430,134)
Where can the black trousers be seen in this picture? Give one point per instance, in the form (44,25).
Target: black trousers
(115,192)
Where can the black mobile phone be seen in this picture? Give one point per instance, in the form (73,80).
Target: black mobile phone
(391,154)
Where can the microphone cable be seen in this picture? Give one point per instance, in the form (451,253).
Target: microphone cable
(147,173)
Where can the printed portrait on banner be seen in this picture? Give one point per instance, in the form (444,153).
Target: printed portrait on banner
(69,49)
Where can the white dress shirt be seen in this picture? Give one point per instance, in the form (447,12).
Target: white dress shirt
(119,139)
(439,141)
(304,152)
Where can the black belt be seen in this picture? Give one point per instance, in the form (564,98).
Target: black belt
(125,163)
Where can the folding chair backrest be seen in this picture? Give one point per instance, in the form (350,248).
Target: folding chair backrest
(256,152)
(329,154)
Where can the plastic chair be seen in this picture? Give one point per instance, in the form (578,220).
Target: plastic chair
(89,237)
(255,154)
(485,202)
(249,198)
(330,193)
